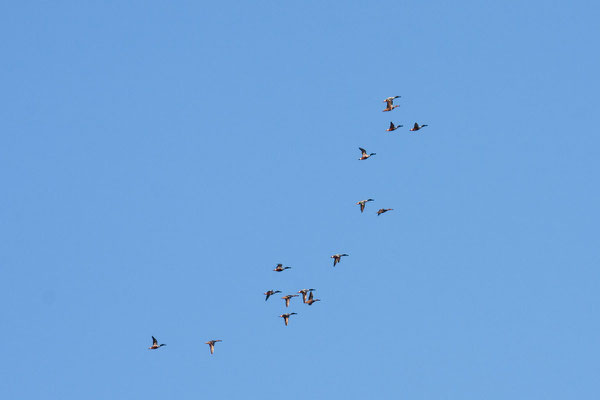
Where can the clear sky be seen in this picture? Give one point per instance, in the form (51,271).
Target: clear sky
(159,158)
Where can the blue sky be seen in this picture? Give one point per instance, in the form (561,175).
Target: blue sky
(158,160)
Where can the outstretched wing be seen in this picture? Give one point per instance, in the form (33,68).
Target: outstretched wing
(362,208)
(154,341)
(416,126)
(392,125)
(362,150)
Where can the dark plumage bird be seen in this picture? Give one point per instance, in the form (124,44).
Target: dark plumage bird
(383,210)
(286,317)
(310,300)
(416,127)
(337,258)
(280,268)
(211,344)
(155,344)
(288,298)
(270,292)
(364,155)
(393,127)
(362,204)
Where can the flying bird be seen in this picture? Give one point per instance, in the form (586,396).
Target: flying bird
(270,292)
(383,210)
(416,127)
(310,300)
(288,298)
(211,344)
(304,291)
(393,127)
(280,268)
(155,344)
(286,317)
(390,103)
(364,155)
(362,204)
(337,258)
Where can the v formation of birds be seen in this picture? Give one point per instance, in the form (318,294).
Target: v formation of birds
(310,300)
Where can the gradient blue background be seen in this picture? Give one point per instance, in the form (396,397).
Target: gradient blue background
(157,161)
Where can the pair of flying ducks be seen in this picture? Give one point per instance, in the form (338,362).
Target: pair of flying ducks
(311,300)
(390,103)
(287,298)
(415,127)
(362,204)
(210,343)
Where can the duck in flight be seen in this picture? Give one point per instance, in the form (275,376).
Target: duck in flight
(416,127)
(155,344)
(211,344)
(393,127)
(280,268)
(288,298)
(270,292)
(362,204)
(337,258)
(304,291)
(364,155)
(310,300)
(383,210)
(286,317)
(390,103)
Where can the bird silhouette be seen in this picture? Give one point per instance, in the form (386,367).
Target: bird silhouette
(286,317)
(211,344)
(155,344)
(337,258)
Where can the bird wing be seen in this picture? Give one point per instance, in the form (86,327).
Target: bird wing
(362,207)
(362,150)
(310,296)
(392,125)
(416,126)
(154,341)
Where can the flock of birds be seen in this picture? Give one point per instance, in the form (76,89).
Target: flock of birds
(307,294)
